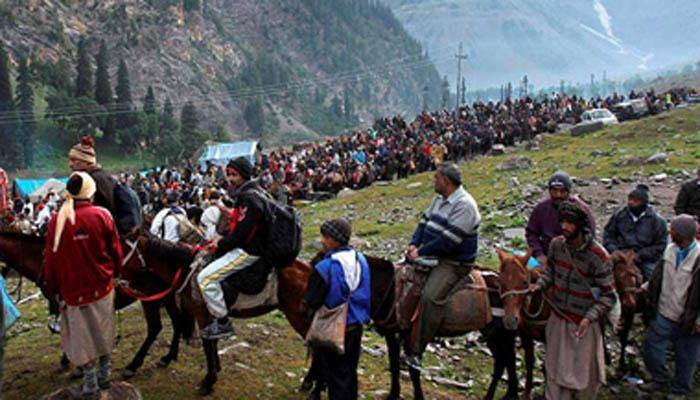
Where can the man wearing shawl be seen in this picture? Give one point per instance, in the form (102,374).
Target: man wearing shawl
(82,253)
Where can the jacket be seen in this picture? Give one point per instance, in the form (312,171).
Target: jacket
(692,305)
(248,230)
(81,271)
(449,228)
(647,237)
(688,200)
(573,272)
(544,225)
(106,184)
(331,280)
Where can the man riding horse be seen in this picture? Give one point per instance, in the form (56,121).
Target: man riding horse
(449,233)
(638,227)
(116,198)
(240,252)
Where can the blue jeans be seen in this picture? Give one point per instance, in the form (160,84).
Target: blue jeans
(661,333)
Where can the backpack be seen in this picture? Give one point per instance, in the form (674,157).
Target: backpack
(186,230)
(283,242)
(127,214)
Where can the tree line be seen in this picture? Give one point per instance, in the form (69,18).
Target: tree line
(91,103)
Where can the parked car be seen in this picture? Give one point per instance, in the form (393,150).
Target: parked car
(632,109)
(694,99)
(593,120)
(599,114)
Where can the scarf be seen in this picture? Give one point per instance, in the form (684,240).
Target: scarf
(67,211)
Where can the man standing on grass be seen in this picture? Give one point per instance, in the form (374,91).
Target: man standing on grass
(580,271)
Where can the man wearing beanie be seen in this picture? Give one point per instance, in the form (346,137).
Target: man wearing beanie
(688,200)
(341,276)
(639,228)
(674,295)
(575,362)
(118,199)
(240,254)
(448,232)
(543,224)
(82,252)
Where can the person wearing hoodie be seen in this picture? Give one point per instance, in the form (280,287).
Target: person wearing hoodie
(638,227)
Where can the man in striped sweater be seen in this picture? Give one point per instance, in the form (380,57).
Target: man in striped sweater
(580,273)
(448,232)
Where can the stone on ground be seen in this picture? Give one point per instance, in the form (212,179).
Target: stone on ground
(118,391)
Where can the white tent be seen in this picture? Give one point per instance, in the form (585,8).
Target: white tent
(221,153)
(43,190)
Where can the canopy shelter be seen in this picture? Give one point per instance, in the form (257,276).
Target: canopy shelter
(38,188)
(222,153)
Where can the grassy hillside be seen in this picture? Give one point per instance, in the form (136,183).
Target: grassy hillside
(267,360)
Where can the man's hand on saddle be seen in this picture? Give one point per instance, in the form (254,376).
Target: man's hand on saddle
(412,253)
(534,288)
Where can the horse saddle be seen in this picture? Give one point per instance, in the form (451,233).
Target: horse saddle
(468,305)
(265,294)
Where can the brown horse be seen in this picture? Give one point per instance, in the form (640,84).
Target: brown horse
(527,312)
(25,254)
(499,340)
(292,281)
(628,280)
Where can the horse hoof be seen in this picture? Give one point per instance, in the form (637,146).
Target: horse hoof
(205,390)
(307,385)
(128,373)
(164,362)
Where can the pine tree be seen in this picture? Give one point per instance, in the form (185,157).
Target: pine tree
(124,105)
(25,106)
(170,142)
(11,153)
(61,75)
(190,5)
(189,132)
(254,117)
(83,81)
(103,90)
(149,102)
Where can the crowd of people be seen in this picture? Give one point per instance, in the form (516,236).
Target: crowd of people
(392,148)
(83,240)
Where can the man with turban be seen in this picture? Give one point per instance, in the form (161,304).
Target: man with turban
(82,252)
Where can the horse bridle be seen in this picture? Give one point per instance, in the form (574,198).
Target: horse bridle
(517,292)
(631,271)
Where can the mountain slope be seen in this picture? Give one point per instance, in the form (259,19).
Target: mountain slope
(294,56)
(552,39)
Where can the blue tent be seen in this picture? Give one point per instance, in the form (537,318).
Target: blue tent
(221,153)
(25,187)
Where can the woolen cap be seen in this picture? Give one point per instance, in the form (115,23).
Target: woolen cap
(560,179)
(641,192)
(685,225)
(242,166)
(338,229)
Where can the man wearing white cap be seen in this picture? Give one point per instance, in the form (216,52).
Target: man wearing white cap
(81,255)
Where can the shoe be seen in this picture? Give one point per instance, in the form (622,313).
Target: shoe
(55,327)
(675,396)
(217,330)
(414,361)
(78,392)
(650,387)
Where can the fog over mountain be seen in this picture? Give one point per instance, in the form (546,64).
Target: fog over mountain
(553,39)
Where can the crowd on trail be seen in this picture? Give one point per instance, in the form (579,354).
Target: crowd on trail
(393,148)
(238,222)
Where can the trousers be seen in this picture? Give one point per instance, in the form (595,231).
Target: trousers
(662,333)
(211,277)
(340,370)
(433,302)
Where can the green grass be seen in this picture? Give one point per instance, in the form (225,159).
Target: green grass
(278,356)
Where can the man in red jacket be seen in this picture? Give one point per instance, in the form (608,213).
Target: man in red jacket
(82,253)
